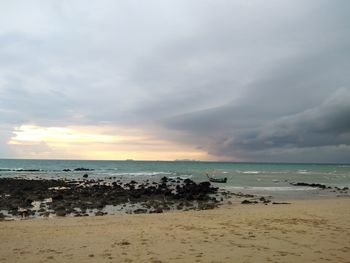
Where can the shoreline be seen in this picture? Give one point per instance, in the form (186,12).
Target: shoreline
(32,198)
(304,231)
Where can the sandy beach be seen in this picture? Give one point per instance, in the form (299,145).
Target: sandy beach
(304,231)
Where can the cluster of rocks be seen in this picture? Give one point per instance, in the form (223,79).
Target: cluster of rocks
(262,199)
(23,197)
(314,185)
(343,190)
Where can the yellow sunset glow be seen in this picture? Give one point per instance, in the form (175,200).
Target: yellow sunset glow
(28,133)
(92,142)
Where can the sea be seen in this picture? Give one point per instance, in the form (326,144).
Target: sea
(270,179)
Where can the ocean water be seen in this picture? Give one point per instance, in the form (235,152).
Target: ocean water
(260,178)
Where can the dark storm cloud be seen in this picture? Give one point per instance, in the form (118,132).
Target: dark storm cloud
(248,80)
(321,131)
(325,125)
(286,84)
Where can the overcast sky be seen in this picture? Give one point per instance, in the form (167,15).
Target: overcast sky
(240,80)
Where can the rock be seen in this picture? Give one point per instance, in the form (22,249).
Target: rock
(265,201)
(83,169)
(67,195)
(57,197)
(164,179)
(45,214)
(321,186)
(188,181)
(280,203)
(248,202)
(158,210)
(2,216)
(99,213)
(66,170)
(124,243)
(85,175)
(179,206)
(206,206)
(60,211)
(140,211)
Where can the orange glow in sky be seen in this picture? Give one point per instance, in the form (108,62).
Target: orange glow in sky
(100,143)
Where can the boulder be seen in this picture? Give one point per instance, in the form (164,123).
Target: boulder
(244,202)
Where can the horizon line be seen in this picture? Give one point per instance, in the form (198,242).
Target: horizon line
(176,160)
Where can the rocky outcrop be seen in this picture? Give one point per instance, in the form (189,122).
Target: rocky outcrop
(77,197)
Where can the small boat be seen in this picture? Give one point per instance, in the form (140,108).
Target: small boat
(217,180)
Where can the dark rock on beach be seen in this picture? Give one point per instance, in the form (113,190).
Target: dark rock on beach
(61,211)
(2,216)
(100,213)
(140,211)
(264,200)
(77,197)
(321,186)
(244,202)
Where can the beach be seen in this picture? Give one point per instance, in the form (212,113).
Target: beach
(303,231)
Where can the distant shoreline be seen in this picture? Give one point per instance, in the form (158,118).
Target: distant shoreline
(180,160)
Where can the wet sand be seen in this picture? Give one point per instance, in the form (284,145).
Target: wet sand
(304,231)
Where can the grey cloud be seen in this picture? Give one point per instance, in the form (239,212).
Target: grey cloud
(5,134)
(240,79)
(283,52)
(325,128)
(19,104)
(324,125)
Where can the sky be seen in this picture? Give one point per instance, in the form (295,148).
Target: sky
(238,80)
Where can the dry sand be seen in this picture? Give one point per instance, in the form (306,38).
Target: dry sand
(305,231)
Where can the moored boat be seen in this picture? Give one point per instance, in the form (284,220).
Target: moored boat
(217,180)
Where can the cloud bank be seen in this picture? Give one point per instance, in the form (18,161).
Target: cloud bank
(227,80)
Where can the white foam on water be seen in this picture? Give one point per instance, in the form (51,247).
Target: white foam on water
(142,174)
(58,188)
(303,172)
(269,188)
(183,177)
(251,172)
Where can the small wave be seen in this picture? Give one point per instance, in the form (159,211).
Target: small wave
(143,174)
(251,172)
(183,177)
(303,172)
(268,188)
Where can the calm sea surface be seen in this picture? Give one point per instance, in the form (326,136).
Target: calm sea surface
(253,177)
